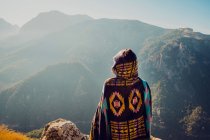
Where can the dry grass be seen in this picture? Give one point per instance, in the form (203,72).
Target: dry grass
(6,134)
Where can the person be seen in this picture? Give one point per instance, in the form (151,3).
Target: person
(125,107)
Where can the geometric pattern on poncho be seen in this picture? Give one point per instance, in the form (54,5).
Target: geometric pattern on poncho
(135,101)
(128,129)
(117,104)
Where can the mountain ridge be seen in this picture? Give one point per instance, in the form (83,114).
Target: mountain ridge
(7,29)
(177,67)
(55,18)
(175,62)
(113,34)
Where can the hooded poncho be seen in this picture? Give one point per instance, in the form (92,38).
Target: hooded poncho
(124,110)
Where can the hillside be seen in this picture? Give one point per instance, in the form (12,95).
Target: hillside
(177,64)
(62,90)
(61,73)
(93,36)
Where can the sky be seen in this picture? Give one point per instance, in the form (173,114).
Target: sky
(164,13)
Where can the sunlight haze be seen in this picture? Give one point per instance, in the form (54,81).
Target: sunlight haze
(163,13)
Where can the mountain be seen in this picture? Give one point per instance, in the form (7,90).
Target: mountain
(92,36)
(43,24)
(177,64)
(63,90)
(6,29)
(48,22)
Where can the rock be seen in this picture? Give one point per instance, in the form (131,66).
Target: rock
(154,138)
(62,129)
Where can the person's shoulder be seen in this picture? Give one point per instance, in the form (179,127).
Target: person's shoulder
(144,82)
(110,81)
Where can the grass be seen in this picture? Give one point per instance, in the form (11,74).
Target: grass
(7,134)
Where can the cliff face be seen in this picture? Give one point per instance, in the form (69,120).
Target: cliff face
(176,67)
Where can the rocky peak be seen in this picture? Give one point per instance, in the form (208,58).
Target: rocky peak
(186,30)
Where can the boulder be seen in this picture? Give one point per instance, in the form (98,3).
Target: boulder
(62,129)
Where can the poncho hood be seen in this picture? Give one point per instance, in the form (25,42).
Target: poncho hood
(125,64)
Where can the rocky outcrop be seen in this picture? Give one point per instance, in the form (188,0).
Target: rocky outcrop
(62,129)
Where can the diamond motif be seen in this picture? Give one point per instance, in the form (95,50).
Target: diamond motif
(117,104)
(135,100)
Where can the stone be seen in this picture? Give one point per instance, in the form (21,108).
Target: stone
(62,129)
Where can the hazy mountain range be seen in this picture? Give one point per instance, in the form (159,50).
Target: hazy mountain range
(7,29)
(54,66)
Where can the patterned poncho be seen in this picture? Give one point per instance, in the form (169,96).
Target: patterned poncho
(124,110)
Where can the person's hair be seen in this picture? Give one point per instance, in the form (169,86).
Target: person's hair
(123,56)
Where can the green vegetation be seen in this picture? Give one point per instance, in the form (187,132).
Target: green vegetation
(35,134)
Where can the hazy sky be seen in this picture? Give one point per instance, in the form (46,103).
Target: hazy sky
(164,13)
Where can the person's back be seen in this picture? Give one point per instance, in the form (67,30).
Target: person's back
(124,111)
